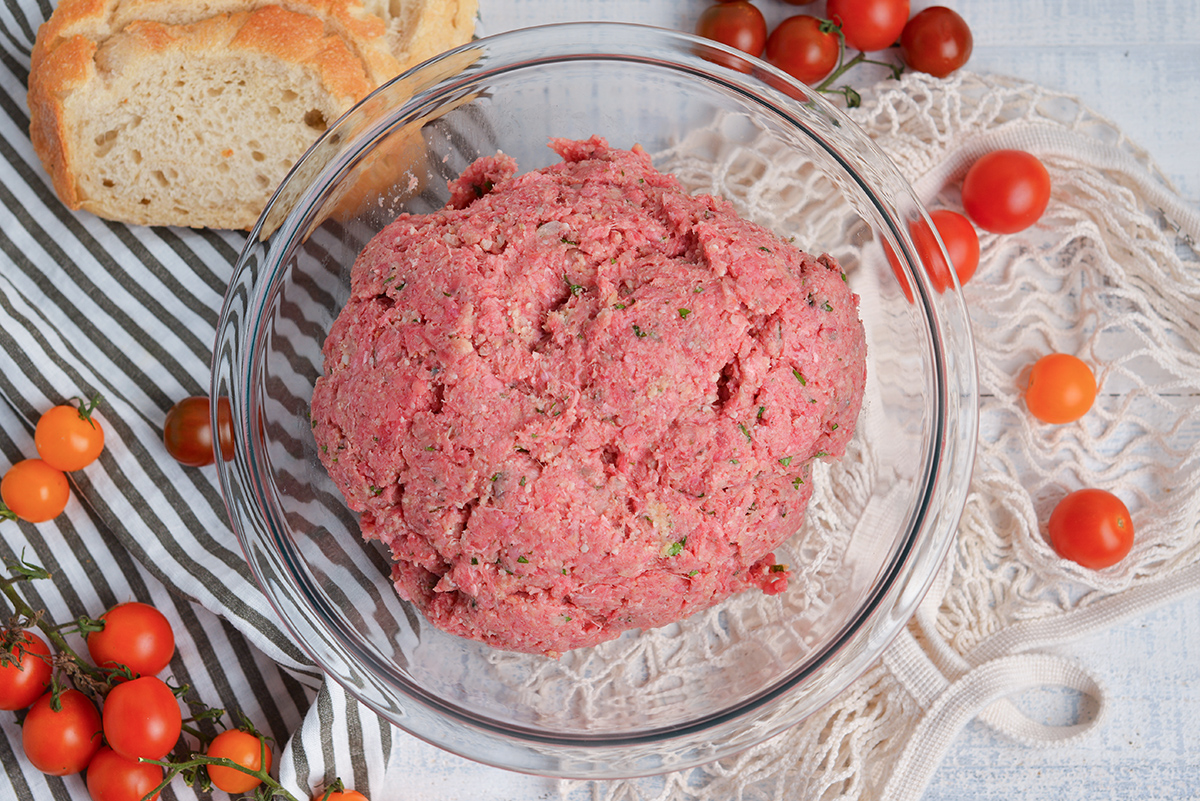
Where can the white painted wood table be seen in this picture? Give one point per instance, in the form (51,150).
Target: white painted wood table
(1136,62)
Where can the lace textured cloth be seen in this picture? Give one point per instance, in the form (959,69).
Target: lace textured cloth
(1112,274)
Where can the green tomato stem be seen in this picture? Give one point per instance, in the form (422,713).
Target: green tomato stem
(272,788)
(22,610)
(852,97)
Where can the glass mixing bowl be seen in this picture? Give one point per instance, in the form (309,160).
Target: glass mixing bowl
(880,521)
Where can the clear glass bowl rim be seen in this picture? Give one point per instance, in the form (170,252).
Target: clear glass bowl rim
(880,619)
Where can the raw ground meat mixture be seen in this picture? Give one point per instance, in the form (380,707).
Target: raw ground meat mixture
(580,401)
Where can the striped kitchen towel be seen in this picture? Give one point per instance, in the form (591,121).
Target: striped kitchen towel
(89,306)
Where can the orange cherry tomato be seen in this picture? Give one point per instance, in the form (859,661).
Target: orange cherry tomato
(1091,527)
(1061,388)
(68,437)
(243,748)
(343,795)
(34,491)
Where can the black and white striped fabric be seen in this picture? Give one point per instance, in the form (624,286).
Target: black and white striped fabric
(89,306)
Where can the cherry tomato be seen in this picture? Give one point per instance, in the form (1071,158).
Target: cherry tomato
(1091,527)
(1061,388)
(142,718)
(135,635)
(869,25)
(961,241)
(61,742)
(799,2)
(34,491)
(68,437)
(738,24)
(243,748)
(343,795)
(112,777)
(937,41)
(800,47)
(24,679)
(929,254)
(898,270)
(188,434)
(1006,191)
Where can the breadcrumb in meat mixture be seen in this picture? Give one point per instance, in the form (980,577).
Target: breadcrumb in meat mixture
(580,400)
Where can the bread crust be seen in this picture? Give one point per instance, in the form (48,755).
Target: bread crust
(88,48)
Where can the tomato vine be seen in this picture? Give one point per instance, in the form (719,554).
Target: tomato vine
(813,50)
(73,675)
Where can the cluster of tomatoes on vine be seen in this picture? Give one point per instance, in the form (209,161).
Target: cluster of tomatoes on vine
(112,716)
(936,40)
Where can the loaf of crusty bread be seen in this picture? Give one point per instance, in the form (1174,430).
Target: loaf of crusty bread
(190,112)
(417,30)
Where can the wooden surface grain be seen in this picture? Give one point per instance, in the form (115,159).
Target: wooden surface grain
(1137,63)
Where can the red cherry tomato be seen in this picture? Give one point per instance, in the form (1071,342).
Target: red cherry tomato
(898,270)
(243,748)
(738,24)
(135,635)
(188,434)
(803,47)
(142,718)
(26,677)
(69,438)
(34,491)
(343,795)
(1006,191)
(1061,388)
(112,777)
(937,41)
(869,25)
(961,241)
(1091,527)
(61,742)
(930,256)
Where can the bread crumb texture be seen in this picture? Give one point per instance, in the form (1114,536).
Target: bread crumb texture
(175,112)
